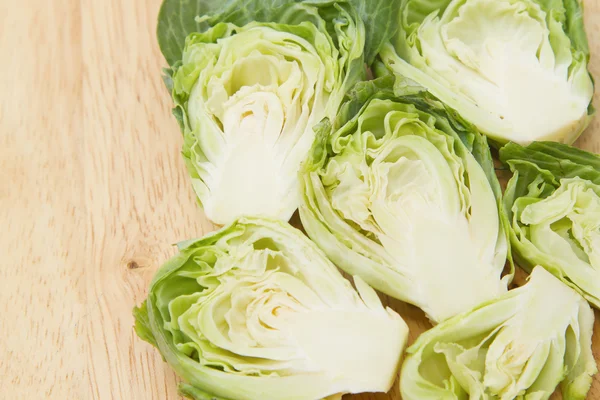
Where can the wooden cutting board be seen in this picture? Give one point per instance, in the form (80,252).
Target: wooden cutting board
(93,192)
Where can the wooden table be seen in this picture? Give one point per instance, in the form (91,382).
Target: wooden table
(93,192)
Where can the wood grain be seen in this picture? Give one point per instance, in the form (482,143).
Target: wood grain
(93,193)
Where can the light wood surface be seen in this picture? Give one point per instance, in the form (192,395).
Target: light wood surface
(93,192)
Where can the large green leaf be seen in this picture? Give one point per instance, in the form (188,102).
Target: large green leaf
(179,18)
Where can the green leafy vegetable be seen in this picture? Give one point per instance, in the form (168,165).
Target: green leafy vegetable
(247,98)
(256,311)
(179,18)
(553,203)
(519,346)
(516,69)
(393,194)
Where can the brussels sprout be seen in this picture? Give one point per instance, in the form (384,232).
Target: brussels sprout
(516,69)
(393,194)
(553,203)
(248,98)
(519,346)
(256,311)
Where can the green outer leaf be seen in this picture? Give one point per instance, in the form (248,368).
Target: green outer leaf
(579,380)
(381,18)
(178,18)
(574,26)
(142,324)
(481,152)
(562,160)
(360,94)
(191,392)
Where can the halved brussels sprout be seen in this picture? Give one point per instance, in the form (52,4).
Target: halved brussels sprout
(519,346)
(393,194)
(516,69)
(256,311)
(248,97)
(553,203)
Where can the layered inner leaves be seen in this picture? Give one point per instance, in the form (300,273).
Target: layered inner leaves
(254,96)
(400,182)
(260,305)
(238,322)
(565,225)
(501,63)
(512,347)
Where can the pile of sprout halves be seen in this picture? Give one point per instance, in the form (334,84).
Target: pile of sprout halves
(385,124)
